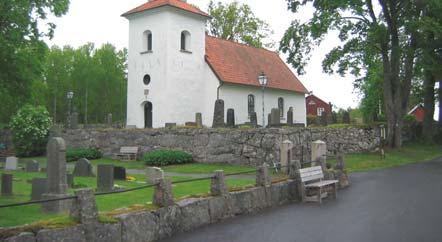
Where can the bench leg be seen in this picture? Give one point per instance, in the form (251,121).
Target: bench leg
(302,191)
(320,195)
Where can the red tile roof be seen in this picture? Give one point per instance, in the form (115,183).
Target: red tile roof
(160,3)
(241,64)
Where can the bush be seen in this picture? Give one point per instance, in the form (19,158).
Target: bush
(76,154)
(30,130)
(166,157)
(311,120)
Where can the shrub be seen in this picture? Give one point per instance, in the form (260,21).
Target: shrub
(166,157)
(76,154)
(30,130)
(311,120)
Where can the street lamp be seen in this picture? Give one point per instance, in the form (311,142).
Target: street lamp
(262,78)
(69,96)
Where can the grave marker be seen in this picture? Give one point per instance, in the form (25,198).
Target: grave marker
(105,178)
(119,173)
(39,187)
(83,168)
(6,184)
(32,166)
(11,163)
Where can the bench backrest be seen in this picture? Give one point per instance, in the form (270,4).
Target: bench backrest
(311,173)
(129,150)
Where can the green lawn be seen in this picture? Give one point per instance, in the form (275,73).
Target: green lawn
(409,153)
(31,213)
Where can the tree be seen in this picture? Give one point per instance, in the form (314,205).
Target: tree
(21,48)
(387,32)
(236,22)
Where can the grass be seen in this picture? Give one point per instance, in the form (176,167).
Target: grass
(409,153)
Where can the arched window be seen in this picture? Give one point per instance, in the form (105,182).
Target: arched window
(281,107)
(185,40)
(251,104)
(146,79)
(147,40)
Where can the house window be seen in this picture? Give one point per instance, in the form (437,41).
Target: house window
(185,41)
(147,40)
(146,79)
(320,111)
(251,104)
(311,102)
(281,107)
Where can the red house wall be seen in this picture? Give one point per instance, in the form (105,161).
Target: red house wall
(419,114)
(312,109)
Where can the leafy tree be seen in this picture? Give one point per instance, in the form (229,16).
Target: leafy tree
(237,22)
(370,88)
(387,32)
(30,130)
(21,48)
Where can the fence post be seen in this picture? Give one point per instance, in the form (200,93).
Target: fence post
(262,176)
(295,165)
(162,195)
(84,207)
(218,186)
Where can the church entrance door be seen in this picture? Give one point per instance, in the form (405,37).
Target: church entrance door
(148,115)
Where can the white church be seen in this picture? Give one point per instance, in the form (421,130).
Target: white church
(177,70)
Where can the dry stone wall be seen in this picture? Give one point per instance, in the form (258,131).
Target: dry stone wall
(239,146)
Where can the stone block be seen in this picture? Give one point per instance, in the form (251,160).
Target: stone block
(70,179)
(230,118)
(218,115)
(83,168)
(22,237)
(285,156)
(162,194)
(6,189)
(275,118)
(140,226)
(104,232)
(260,198)
(194,213)
(279,193)
(105,178)
(119,173)
(11,163)
(84,207)
(241,202)
(169,219)
(220,208)
(319,149)
(70,234)
(153,174)
(39,187)
(218,185)
(199,120)
(32,166)
(262,176)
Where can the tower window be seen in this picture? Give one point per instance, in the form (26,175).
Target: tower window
(146,79)
(281,107)
(185,41)
(147,40)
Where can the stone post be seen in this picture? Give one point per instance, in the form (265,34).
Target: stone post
(269,120)
(153,174)
(230,118)
(218,186)
(199,120)
(319,152)
(56,174)
(262,176)
(74,120)
(290,117)
(109,119)
(218,115)
(275,118)
(340,164)
(285,155)
(84,207)
(6,184)
(253,119)
(294,166)
(162,195)
(105,178)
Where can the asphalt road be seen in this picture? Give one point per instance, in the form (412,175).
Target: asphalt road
(397,204)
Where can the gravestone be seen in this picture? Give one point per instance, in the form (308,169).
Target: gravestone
(109,119)
(218,185)
(153,174)
(290,116)
(32,166)
(83,168)
(11,163)
(70,180)
(74,120)
(253,119)
(119,173)
(340,164)
(6,184)
(275,118)
(39,187)
(56,174)
(162,194)
(199,120)
(170,125)
(269,120)
(285,155)
(105,178)
(230,118)
(218,115)
(319,152)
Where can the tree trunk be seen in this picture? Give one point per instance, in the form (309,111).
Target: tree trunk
(429,99)
(440,103)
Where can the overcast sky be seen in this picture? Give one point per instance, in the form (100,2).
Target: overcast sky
(99,21)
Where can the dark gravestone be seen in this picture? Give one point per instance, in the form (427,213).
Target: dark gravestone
(6,184)
(39,187)
(170,125)
(230,117)
(32,166)
(275,118)
(70,180)
(74,120)
(290,117)
(253,119)
(83,168)
(199,120)
(218,115)
(119,173)
(105,178)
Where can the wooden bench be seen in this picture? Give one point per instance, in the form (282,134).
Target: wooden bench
(311,179)
(128,153)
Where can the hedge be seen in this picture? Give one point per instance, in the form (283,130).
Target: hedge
(166,157)
(76,154)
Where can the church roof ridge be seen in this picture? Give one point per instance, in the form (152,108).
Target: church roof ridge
(152,4)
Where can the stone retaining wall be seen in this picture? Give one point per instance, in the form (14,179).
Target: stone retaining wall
(239,146)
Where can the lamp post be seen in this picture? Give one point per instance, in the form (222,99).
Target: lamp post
(262,78)
(69,96)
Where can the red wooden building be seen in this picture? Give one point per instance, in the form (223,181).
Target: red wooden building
(418,112)
(316,106)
